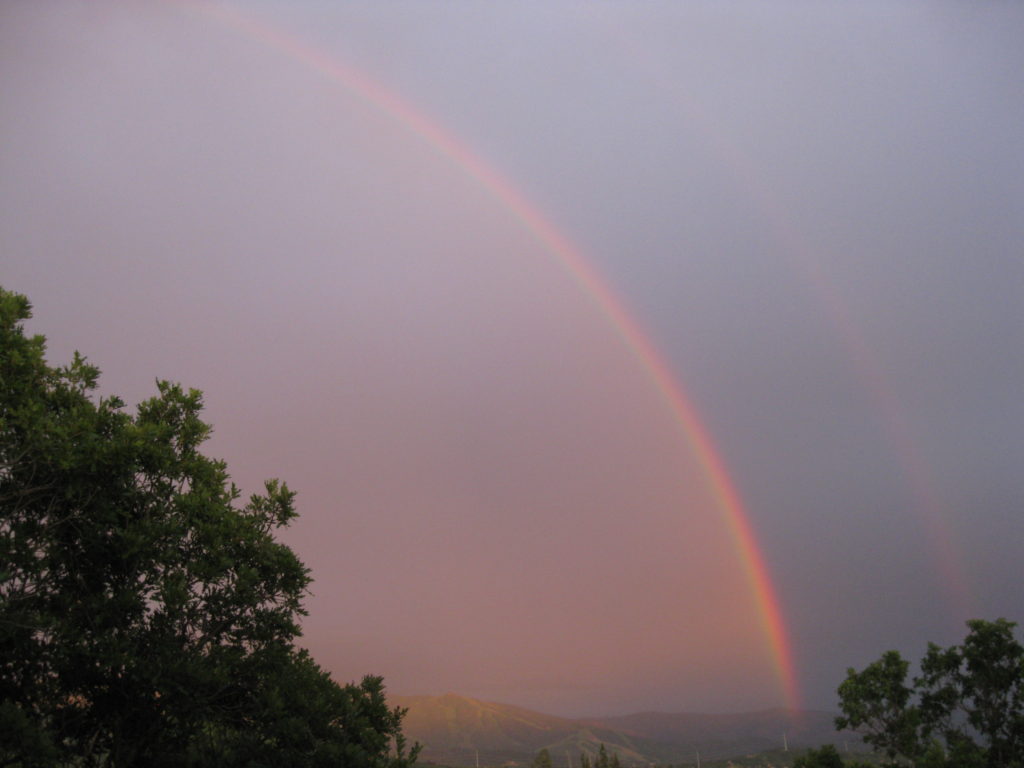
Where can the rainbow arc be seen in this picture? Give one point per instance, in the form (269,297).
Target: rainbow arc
(571,259)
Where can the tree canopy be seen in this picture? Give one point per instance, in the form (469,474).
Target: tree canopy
(147,615)
(964,709)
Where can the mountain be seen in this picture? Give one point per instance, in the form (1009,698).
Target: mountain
(453,729)
(456,729)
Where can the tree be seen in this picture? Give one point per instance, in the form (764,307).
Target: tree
(965,709)
(146,616)
(878,702)
(542,760)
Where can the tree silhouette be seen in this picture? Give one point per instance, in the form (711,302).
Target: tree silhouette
(965,709)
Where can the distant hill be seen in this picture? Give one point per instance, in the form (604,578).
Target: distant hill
(455,729)
(729,735)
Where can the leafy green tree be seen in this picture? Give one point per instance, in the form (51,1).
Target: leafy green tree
(147,617)
(584,760)
(542,760)
(965,709)
(602,760)
(879,703)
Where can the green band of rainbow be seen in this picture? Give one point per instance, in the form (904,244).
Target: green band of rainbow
(586,276)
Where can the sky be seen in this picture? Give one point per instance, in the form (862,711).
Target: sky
(499,288)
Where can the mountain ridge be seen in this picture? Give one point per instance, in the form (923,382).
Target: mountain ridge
(458,730)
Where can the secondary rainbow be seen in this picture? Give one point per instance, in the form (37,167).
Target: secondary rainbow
(570,258)
(807,263)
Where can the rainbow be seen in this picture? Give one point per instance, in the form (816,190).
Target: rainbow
(569,257)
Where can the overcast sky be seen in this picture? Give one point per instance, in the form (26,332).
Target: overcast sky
(815,210)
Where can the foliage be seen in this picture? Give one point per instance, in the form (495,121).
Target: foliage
(604,760)
(146,616)
(601,760)
(965,709)
(542,760)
